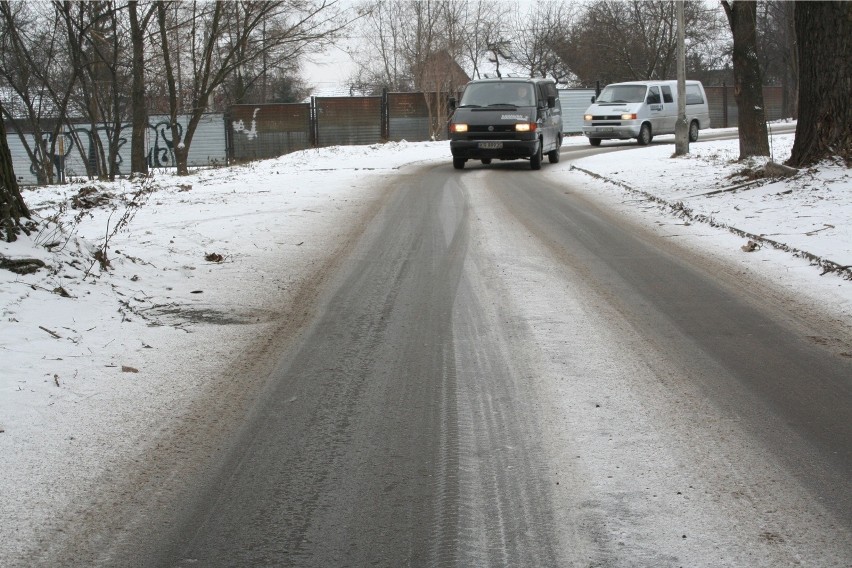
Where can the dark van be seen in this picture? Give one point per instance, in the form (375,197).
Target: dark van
(507,119)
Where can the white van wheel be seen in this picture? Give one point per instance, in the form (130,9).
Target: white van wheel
(693,131)
(645,135)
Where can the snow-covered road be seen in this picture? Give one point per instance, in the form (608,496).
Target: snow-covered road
(91,381)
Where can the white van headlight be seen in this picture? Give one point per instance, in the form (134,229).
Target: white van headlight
(628,116)
(587,117)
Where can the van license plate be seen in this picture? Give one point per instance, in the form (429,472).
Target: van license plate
(490,145)
(604,129)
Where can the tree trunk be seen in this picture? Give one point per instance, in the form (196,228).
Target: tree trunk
(118,116)
(791,62)
(748,83)
(824,37)
(181,151)
(138,160)
(12,206)
(178,147)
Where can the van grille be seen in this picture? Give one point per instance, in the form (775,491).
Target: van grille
(495,129)
(606,117)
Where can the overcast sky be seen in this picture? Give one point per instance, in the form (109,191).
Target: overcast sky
(330,69)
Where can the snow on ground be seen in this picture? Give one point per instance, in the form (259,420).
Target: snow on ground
(97,355)
(800,227)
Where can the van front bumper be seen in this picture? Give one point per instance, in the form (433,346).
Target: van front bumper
(494,149)
(609,131)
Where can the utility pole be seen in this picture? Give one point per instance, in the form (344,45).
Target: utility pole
(681,128)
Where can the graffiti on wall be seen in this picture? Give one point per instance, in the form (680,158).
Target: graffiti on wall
(161,153)
(240,126)
(77,149)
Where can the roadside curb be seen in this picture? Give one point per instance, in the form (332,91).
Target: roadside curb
(682,211)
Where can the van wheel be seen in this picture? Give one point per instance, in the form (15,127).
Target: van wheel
(553,155)
(458,163)
(595,141)
(693,131)
(645,136)
(535,159)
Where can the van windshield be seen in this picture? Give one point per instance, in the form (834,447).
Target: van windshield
(498,94)
(622,94)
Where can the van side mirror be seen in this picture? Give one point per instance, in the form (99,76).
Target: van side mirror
(593,99)
(551,101)
(452,103)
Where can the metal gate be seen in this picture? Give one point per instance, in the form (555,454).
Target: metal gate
(348,121)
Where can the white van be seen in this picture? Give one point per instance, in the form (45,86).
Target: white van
(642,110)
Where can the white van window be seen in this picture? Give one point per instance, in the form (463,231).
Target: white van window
(667,94)
(693,95)
(498,93)
(653,96)
(622,94)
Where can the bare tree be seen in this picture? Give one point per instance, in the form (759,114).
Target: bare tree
(95,43)
(138,102)
(432,51)
(33,65)
(381,62)
(225,36)
(637,37)
(416,46)
(65,59)
(537,34)
(12,206)
(748,83)
(619,41)
(824,130)
(405,38)
(776,50)
(484,28)
(287,88)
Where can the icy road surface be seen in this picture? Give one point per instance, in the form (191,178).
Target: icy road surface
(501,372)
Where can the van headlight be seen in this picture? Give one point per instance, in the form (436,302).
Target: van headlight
(628,116)
(587,117)
(458,127)
(525,127)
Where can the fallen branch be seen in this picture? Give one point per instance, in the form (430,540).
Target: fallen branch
(53,333)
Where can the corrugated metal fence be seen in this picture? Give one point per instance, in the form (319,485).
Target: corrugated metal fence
(723,105)
(415,116)
(356,120)
(253,132)
(76,147)
(348,121)
(407,116)
(574,104)
(263,131)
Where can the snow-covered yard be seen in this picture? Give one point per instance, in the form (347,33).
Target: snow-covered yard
(149,289)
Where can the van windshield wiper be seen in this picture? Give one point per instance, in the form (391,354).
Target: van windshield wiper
(503,105)
(470,106)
